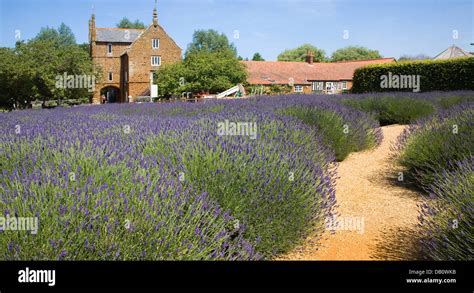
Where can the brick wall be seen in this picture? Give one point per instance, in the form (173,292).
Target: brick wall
(139,56)
(107,63)
(135,64)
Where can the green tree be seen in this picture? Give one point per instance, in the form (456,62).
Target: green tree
(257,57)
(16,84)
(48,62)
(412,58)
(171,79)
(66,36)
(354,53)
(205,71)
(62,36)
(30,71)
(299,54)
(86,47)
(126,23)
(210,41)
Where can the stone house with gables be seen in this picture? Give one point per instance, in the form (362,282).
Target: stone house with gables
(128,60)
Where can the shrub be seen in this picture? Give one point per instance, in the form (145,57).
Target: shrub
(450,101)
(342,135)
(447,217)
(435,75)
(98,194)
(428,146)
(277,186)
(393,110)
(187,192)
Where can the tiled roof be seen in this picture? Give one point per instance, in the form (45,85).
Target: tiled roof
(282,72)
(453,52)
(117,35)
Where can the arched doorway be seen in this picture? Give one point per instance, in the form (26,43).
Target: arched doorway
(111,94)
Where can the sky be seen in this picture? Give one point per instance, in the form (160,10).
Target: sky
(393,27)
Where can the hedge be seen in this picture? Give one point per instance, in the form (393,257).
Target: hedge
(435,75)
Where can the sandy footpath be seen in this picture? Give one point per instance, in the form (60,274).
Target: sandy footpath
(371,209)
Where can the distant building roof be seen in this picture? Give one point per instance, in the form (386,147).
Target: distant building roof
(117,35)
(282,72)
(453,52)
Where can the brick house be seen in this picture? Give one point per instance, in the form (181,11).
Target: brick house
(307,77)
(128,59)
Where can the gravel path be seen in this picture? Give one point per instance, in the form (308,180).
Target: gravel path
(374,214)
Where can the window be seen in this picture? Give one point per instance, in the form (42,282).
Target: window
(344,85)
(318,85)
(111,76)
(109,49)
(155,43)
(298,88)
(155,60)
(329,86)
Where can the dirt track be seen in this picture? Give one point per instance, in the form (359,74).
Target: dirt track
(373,212)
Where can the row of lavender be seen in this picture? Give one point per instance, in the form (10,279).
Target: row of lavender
(436,154)
(169,181)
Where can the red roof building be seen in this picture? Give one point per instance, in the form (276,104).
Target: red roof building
(306,77)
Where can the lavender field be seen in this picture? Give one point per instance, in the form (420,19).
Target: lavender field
(181,181)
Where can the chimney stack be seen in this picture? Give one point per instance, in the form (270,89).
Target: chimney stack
(92,34)
(309,57)
(155,16)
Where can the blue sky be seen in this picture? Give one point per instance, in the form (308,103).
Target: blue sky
(394,27)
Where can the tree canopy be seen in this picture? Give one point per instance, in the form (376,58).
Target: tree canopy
(257,57)
(63,36)
(30,70)
(300,53)
(210,41)
(354,53)
(416,57)
(126,23)
(201,71)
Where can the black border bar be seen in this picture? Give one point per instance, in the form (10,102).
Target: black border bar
(263,274)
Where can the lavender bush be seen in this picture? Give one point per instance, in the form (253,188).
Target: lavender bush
(405,108)
(98,195)
(157,181)
(431,144)
(447,216)
(344,130)
(436,155)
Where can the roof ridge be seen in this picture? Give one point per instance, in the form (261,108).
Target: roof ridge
(374,59)
(118,28)
(338,62)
